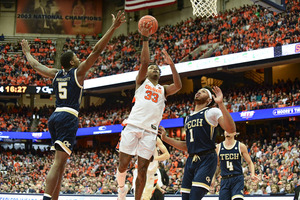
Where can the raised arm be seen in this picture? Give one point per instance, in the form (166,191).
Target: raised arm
(176,85)
(41,69)
(145,55)
(181,145)
(99,47)
(165,153)
(226,121)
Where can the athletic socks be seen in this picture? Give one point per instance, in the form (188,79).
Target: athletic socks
(121,178)
(46,197)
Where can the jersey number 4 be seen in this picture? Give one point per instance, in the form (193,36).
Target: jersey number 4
(229,165)
(62,90)
(151,96)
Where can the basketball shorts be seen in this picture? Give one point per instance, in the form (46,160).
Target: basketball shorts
(232,188)
(137,141)
(63,127)
(199,173)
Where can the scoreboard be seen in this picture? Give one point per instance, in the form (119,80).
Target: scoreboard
(21,89)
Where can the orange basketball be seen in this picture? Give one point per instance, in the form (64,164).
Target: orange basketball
(152,21)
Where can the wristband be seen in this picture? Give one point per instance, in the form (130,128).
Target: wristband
(145,38)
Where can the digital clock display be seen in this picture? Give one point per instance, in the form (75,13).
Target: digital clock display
(18,89)
(15,89)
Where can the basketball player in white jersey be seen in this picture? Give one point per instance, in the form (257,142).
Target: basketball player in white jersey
(153,174)
(139,136)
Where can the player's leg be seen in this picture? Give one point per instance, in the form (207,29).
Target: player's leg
(141,178)
(237,184)
(187,179)
(225,193)
(61,158)
(145,151)
(128,145)
(149,187)
(205,170)
(53,180)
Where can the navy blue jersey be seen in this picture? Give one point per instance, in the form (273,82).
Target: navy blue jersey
(200,135)
(230,159)
(67,89)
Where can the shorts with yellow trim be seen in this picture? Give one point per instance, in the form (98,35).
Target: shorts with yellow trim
(232,188)
(63,127)
(198,172)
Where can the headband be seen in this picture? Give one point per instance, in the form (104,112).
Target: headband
(209,93)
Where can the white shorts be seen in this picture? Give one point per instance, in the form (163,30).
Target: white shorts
(137,141)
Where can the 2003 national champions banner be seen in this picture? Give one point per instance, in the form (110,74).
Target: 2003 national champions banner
(59,17)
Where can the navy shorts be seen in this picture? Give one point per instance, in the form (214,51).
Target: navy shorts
(232,188)
(63,127)
(199,173)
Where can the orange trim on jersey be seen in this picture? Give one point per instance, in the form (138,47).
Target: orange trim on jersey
(133,100)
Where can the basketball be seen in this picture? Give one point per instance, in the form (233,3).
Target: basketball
(152,22)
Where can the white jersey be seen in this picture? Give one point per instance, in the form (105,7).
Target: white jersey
(149,104)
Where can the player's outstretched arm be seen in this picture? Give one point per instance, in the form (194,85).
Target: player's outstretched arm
(181,145)
(41,69)
(165,153)
(247,158)
(145,55)
(177,85)
(226,121)
(99,47)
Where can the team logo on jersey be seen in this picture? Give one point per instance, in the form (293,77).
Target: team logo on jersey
(66,143)
(153,127)
(208,179)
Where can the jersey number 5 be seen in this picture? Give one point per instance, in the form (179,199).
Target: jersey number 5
(62,90)
(151,96)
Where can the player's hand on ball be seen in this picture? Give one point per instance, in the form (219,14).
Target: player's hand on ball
(162,132)
(145,29)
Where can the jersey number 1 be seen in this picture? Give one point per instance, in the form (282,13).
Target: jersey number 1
(62,90)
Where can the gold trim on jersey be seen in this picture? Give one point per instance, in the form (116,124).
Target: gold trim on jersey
(185,190)
(237,196)
(67,109)
(75,75)
(63,146)
(198,184)
(207,120)
(228,148)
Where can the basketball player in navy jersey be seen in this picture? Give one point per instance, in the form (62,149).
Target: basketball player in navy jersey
(68,87)
(230,154)
(139,136)
(200,141)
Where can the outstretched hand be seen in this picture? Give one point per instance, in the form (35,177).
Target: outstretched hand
(25,46)
(118,20)
(167,57)
(218,97)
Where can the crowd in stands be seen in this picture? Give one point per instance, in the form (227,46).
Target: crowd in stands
(246,98)
(15,70)
(240,29)
(93,170)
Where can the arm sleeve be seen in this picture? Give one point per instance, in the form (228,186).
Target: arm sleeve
(213,115)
